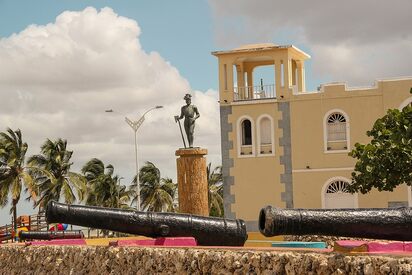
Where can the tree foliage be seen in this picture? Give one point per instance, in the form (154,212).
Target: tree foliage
(215,194)
(47,176)
(103,188)
(386,161)
(56,180)
(14,174)
(157,193)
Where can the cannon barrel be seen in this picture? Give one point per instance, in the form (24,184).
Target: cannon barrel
(373,223)
(5,237)
(50,235)
(206,230)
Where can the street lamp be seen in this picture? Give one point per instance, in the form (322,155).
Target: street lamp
(135,126)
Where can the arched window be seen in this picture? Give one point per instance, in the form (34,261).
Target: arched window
(245,136)
(338,186)
(335,194)
(246,132)
(336,131)
(265,135)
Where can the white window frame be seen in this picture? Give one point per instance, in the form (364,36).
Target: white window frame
(239,136)
(326,185)
(272,135)
(325,132)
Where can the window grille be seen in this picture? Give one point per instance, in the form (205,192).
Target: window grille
(336,127)
(338,186)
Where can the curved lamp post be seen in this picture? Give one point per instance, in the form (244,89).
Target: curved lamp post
(135,124)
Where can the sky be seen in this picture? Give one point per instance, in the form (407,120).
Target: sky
(62,63)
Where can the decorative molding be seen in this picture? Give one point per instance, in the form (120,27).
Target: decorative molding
(309,170)
(336,151)
(254,101)
(371,87)
(286,159)
(227,161)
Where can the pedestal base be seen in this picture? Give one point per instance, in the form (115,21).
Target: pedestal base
(192,181)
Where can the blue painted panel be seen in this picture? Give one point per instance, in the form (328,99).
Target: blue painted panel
(299,244)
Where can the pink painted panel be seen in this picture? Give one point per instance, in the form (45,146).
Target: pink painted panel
(375,246)
(408,246)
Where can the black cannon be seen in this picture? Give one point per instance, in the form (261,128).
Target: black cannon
(373,223)
(50,235)
(206,230)
(5,238)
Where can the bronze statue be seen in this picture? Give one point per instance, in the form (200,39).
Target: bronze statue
(190,113)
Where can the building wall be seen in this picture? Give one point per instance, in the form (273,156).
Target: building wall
(298,172)
(256,178)
(308,186)
(312,166)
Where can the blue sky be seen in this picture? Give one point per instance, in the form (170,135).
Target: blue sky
(181,31)
(185,32)
(57,76)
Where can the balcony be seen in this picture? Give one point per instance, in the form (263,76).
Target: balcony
(254,92)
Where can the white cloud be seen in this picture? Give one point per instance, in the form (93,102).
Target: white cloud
(56,81)
(353,41)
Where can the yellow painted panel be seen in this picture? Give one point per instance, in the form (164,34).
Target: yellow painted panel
(106,241)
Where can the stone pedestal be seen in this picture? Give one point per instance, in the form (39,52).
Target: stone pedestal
(192,181)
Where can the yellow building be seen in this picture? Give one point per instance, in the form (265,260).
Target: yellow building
(287,147)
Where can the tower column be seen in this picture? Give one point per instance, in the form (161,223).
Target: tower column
(278,77)
(240,80)
(249,89)
(301,76)
(192,181)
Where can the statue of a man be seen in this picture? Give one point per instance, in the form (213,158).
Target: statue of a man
(190,113)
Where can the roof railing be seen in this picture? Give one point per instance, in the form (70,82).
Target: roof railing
(254,92)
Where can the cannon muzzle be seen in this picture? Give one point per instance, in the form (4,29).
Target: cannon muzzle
(206,230)
(373,223)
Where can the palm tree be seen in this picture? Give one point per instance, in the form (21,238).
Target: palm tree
(122,197)
(215,184)
(157,194)
(56,180)
(13,172)
(104,188)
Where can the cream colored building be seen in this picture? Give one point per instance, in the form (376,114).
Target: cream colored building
(287,147)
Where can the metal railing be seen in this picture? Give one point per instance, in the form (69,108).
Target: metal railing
(254,92)
(38,222)
(32,222)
